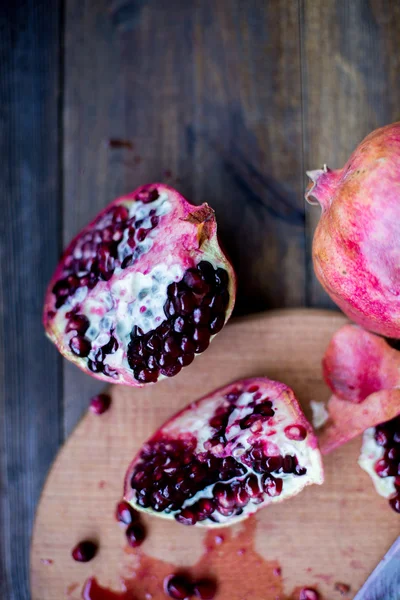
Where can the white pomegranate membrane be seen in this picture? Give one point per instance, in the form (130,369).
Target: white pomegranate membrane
(142,289)
(226,455)
(380,458)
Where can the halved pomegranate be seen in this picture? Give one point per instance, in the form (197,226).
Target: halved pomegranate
(142,289)
(226,455)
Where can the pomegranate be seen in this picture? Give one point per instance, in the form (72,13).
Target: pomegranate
(358,363)
(363,372)
(142,289)
(124,513)
(226,455)
(380,458)
(356,247)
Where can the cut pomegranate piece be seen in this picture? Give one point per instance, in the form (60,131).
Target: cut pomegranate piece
(206,467)
(380,458)
(142,289)
(347,420)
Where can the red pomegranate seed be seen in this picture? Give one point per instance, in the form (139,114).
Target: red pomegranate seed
(395,503)
(308,594)
(252,487)
(384,468)
(80,346)
(272,486)
(78,323)
(178,587)
(186,517)
(84,551)
(124,513)
(295,432)
(343,588)
(205,589)
(99,404)
(135,534)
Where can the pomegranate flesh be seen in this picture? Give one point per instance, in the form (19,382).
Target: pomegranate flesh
(142,289)
(225,456)
(380,458)
(356,246)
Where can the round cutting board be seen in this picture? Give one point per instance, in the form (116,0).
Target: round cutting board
(329,534)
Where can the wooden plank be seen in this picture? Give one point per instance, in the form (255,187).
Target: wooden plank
(350,82)
(30,374)
(336,532)
(208,94)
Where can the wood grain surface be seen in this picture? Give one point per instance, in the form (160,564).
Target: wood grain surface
(332,533)
(229,101)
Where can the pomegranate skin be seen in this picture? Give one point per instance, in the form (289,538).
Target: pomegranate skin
(356,246)
(140,290)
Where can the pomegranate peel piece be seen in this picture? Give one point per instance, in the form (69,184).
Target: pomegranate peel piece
(358,363)
(141,290)
(348,420)
(225,456)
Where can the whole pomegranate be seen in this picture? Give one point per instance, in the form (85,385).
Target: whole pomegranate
(142,289)
(356,247)
(225,456)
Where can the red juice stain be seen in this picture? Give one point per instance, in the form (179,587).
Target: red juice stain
(257,578)
(71,588)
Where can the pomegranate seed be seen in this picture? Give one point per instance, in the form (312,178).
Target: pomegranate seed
(395,503)
(205,589)
(135,534)
(397,482)
(252,389)
(343,588)
(78,323)
(308,594)
(178,587)
(205,508)
(187,346)
(221,278)
(187,302)
(147,376)
(186,359)
(272,486)
(121,214)
(224,495)
(99,404)
(394,453)
(124,513)
(84,551)
(186,517)
(172,370)
(142,234)
(288,464)
(252,487)
(274,464)
(80,346)
(171,346)
(384,469)
(217,324)
(147,196)
(207,271)
(265,409)
(295,432)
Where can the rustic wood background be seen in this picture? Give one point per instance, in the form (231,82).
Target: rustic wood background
(230,101)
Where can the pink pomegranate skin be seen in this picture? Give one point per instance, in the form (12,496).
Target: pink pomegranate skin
(225,456)
(358,363)
(121,279)
(356,246)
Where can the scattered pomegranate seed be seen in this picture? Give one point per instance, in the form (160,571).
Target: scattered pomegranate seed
(84,551)
(99,404)
(178,587)
(124,513)
(135,534)
(205,589)
(343,588)
(309,594)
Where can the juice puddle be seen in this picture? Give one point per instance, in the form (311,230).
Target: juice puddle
(241,573)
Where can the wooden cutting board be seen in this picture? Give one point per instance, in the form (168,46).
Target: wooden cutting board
(333,533)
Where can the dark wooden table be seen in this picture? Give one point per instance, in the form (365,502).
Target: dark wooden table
(228,100)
